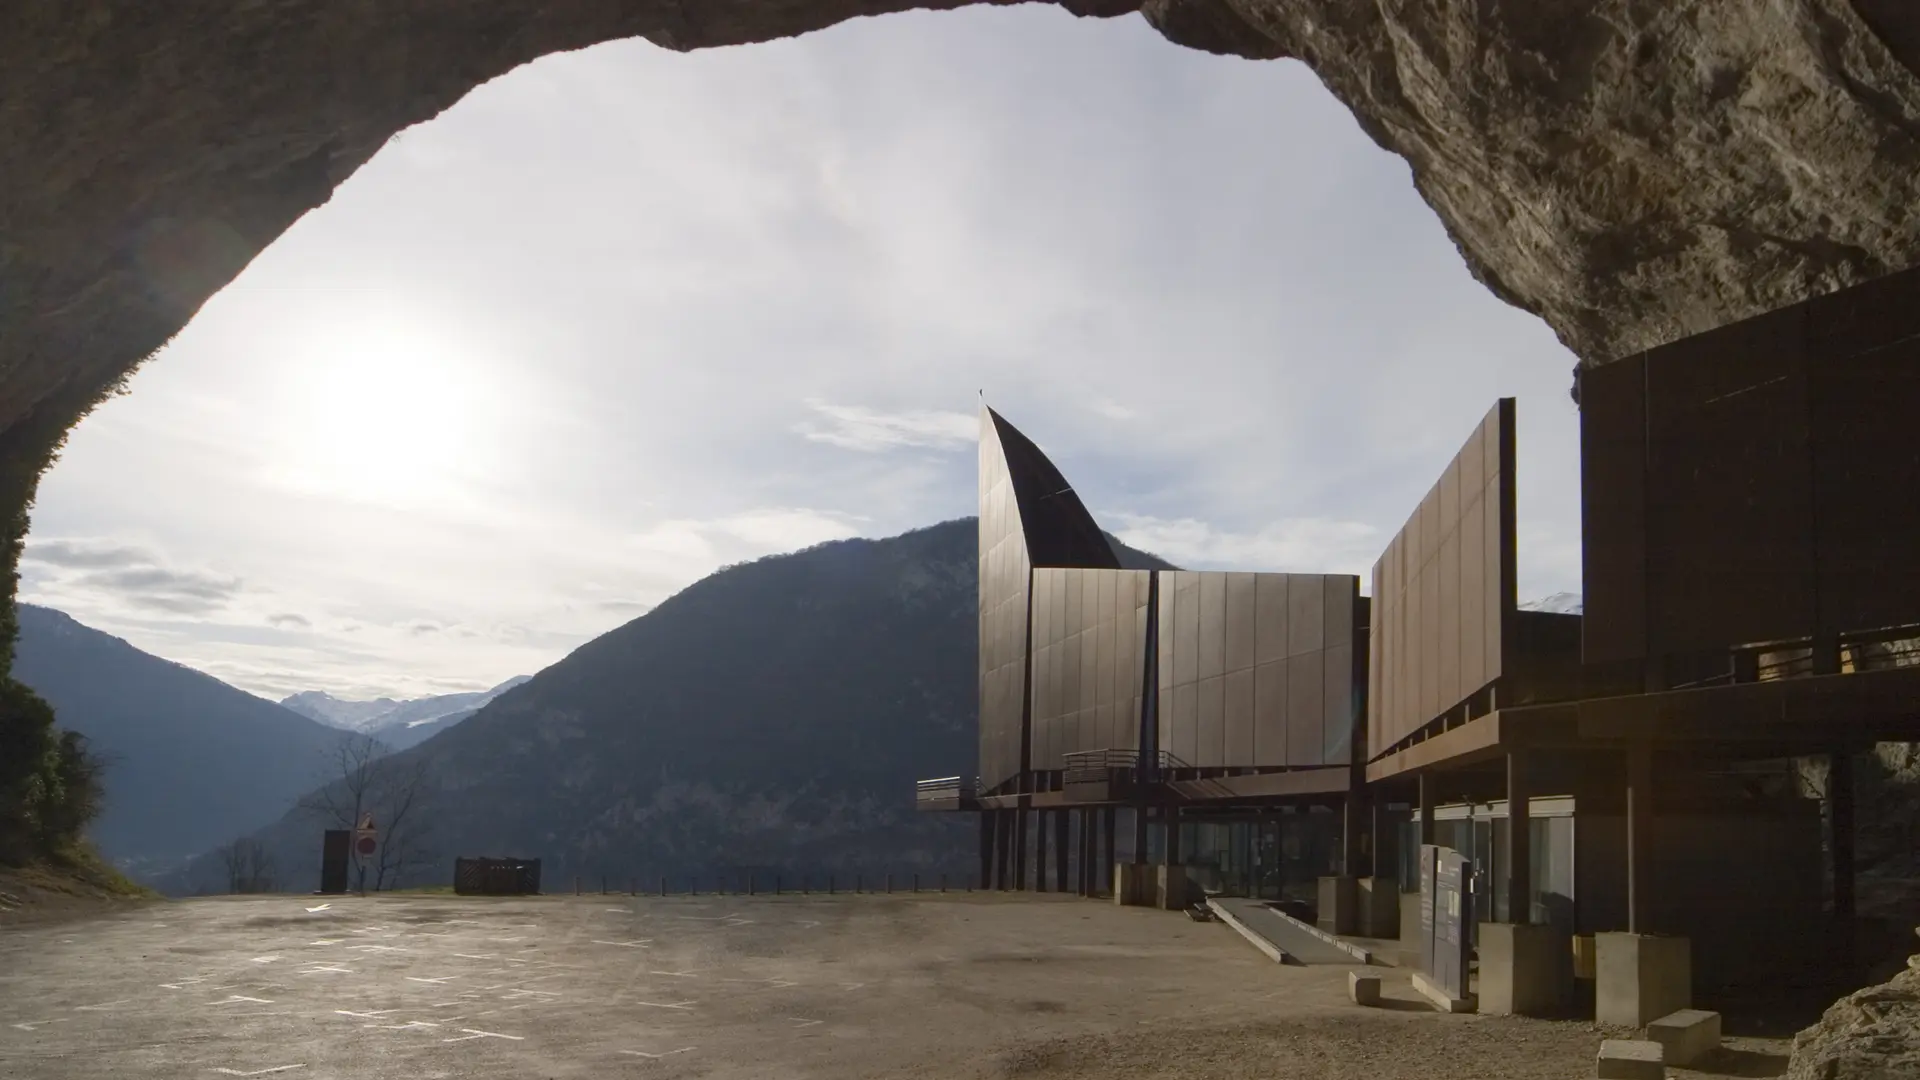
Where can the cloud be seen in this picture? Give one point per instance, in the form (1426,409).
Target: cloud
(423,627)
(288,620)
(87,554)
(854,427)
(1113,410)
(785,530)
(94,571)
(1296,545)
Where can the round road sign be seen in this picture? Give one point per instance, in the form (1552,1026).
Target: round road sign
(366,845)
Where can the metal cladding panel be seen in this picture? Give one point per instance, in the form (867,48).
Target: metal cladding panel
(1613,511)
(1213,625)
(1240,625)
(1729,492)
(1444,591)
(1306,614)
(1270,713)
(1237,706)
(1186,629)
(1342,700)
(1080,701)
(1270,618)
(1738,486)
(1306,708)
(1186,722)
(1863,412)
(1211,721)
(1029,516)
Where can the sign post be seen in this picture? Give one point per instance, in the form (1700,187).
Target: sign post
(366,843)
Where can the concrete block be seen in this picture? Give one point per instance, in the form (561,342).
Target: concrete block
(1171,888)
(1433,992)
(1339,904)
(1379,903)
(1364,989)
(1133,884)
(1686,1036)
(1583,967)
(1524,970)
(1639,978)
(1629,1059)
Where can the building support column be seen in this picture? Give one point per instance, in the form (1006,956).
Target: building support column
(1062,857)
(1040,850)
(1427,796)
(986,849)
(1840,818)
(1140,834)
(1108,824)
(1020,850)
(1639,836)
(1085,881)
(1005,880)
(1519,854)
(1353,835)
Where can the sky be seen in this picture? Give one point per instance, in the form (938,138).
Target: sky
(625,316)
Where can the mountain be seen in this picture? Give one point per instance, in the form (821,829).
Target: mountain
(1564,603)
(773,715)
(398,724)
(192,762)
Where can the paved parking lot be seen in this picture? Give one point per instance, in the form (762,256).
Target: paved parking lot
(926,985)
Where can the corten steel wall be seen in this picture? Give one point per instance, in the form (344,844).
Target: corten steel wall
(1029,517)
(1258,670)
(1444,592)
(1754,483)
(1089,656)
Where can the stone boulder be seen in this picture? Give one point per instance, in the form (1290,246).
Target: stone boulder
(1871,1034)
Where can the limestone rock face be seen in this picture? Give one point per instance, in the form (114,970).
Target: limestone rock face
(1631,170)
(1871,1034)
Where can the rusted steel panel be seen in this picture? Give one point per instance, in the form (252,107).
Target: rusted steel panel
(1729,487)
(1444,591)
(1613,510)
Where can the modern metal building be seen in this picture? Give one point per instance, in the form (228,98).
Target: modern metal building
(1635,778)
(1218,714)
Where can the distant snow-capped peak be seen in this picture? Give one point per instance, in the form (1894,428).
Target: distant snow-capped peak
(1564,603)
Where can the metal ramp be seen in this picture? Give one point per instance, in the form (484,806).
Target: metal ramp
(1273,935)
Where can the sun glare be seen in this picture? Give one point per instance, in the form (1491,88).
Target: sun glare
(383,412)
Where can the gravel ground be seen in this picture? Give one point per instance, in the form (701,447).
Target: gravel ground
(956,985)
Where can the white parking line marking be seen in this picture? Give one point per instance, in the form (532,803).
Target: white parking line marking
(327,941)
(409,1025)
(375,1015)
(474,956)
(265,959)
(35,1025)
(800,1023)
(668,1005)
(321,969)
(677,974)
(235,999)
(643,943)
(260,1072)
(472,1034)
(322,907)
(378,948)
(436,982)
(847,986)
(102,1007)
(669,1053)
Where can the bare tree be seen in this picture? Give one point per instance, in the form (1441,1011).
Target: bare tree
(249,865)
(365,780)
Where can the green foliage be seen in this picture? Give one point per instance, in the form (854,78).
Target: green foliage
(49,783)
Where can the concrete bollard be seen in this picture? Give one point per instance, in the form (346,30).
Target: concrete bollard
(1363,989)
